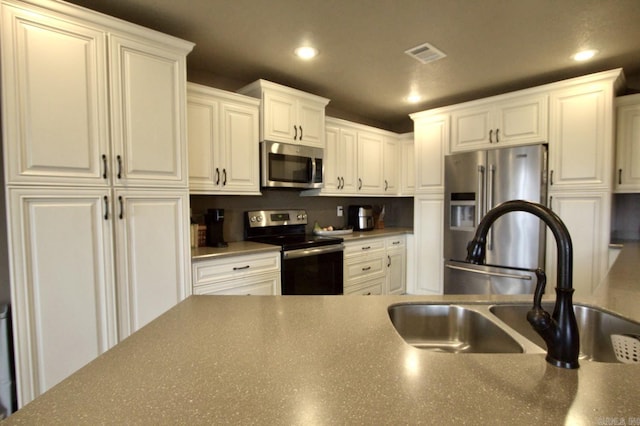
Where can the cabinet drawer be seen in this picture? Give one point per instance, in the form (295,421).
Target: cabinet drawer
(367,288)
(262,285)
(396,242)
(206,271)
(363,247)
(367,267)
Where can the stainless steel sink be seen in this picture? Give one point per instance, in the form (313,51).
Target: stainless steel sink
(450,329)
(595,327)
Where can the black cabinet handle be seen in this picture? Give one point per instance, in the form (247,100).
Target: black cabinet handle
(104,166)
(551,178)
(119,160)
(239,268)
(497,135)
(386,185)
(359,184)
(388,261)
(224,177)
(300,133)
(366,248)
(491,136)
(121,215)
(366,268)
(619,176)
(295,135)
(217,176)
(106,207)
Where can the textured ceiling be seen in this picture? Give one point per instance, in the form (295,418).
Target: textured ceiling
(492,46)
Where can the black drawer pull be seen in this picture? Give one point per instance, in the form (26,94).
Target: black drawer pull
(367,268)
(239,268)
(366,248)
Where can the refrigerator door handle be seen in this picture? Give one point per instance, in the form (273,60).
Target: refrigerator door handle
(492,173)
(481,208)
(493,274)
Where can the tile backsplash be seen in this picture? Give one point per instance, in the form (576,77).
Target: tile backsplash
(398,210)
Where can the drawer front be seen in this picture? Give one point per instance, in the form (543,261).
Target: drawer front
(361,268)
(399,241)
(367,288)
(363,247)
(206,271)
(262,285)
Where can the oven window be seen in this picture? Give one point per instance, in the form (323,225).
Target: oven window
(318,274)
(289,168)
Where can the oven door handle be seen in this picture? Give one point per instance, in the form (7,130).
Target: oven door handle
(315,251)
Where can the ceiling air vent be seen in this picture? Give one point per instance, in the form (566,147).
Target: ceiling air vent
(425,53)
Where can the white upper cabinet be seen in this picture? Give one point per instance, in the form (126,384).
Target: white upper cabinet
(64,123)
(340,160)
(391,156)
(55,118)
(488,124)
(370,163)
(628,144)
(289,115)
(148,116)
(223,142)
(407,165)
(431,136)
(581,137)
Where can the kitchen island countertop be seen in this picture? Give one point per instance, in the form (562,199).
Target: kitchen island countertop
(334,360)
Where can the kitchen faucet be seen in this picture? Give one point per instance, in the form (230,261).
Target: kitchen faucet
(560,330)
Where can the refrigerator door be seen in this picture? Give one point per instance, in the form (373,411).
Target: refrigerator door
(464,201)
(519,173)
(465,278)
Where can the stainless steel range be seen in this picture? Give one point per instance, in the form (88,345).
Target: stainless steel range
(311,265)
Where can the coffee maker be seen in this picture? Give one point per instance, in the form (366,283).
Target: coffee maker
(214,220)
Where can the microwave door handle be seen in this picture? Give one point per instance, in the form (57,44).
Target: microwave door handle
(312,169)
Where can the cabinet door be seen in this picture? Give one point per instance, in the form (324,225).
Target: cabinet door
(152,249)
(332,155)
(310,120)
(428,225)
(587,218)
(204,139)
(396,271)
(628,149)
(370,163)
(521,120)
(471,127)
(62,281)
(55,126)
(390,155)
(148,114)
(239,151)
(407,167)
(580,140)
(348,161)
(431,137)
(279,117)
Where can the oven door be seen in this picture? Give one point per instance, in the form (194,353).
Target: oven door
(313,271)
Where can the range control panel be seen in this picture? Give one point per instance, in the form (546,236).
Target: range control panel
(263,218)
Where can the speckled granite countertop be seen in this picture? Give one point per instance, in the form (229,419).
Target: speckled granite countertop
(333,360)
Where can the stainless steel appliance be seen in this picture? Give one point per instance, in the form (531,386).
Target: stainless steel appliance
(291,166)
(360,218)
(475,182)
(311,265)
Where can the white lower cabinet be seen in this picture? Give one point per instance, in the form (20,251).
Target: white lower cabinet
(78,286)
(251,274)
(587,217)
(375,266)
(62,284)
(428,230)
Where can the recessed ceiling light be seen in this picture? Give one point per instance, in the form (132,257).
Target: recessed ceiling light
(306,52)
(584,55)
(414,98)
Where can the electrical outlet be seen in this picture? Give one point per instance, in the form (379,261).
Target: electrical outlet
(339,211)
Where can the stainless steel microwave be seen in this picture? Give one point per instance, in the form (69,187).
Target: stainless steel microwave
(286,165)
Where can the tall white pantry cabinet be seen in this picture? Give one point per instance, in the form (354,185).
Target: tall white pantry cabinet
(96,179)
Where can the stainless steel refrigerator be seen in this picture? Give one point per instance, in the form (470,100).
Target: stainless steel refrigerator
(475,182)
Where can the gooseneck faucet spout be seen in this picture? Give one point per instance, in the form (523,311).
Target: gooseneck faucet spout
(559,330)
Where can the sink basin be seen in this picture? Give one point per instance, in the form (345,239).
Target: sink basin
(595,327)
(450,329)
